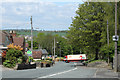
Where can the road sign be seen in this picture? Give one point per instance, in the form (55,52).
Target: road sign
(29,53)
(115,38)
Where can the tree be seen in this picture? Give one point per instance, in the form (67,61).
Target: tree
(35,44)
(88,29)
(46,42)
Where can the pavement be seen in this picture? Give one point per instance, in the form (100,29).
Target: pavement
(62,70)
(4,68)
(103,72)
(106,73)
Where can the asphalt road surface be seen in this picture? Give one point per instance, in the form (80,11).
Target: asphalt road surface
(59,70)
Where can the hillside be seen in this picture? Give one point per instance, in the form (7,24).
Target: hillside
(35,32)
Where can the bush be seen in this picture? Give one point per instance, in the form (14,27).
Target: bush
(46,61)
(9,64)
(24,58)
(14,53)
(38,61)
(31,58)
(107,51)
(13,56)
(19,60)
(50,59)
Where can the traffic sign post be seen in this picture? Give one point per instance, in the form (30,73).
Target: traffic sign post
(115,38)
(29,53)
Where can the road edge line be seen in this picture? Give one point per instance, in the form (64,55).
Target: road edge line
(57,73)
(95,74)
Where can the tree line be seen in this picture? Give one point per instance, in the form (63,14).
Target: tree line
(46,41)
(88,31)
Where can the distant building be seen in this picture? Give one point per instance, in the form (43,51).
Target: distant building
(8,38)
(27,37)
(18,40)
(44,53)
(5,39)
(39,54)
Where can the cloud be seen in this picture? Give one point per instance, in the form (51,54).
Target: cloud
(49,15)
(25,10)
(81,1)
(2,10)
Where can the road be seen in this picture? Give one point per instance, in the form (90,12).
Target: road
(59,70)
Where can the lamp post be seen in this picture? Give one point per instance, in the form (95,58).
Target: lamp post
(60,50)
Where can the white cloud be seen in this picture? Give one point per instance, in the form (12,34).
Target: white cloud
(2,10)
(49,15)
(24,10)
(42,0)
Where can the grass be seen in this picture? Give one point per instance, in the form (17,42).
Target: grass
(60,57)
(92,61)
(96,61)
(44,61)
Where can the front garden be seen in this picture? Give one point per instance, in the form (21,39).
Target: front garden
(14,56)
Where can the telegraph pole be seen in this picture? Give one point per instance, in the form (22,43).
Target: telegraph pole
(60,52)
(108,41)
(116,58)
(54,49)
(31,34)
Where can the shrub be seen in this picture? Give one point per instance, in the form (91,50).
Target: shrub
(9,64)
(13,56)
(14,53)
(31,58)
(3,54)
(19,60)
(50,59)
(24,59)
(107,51)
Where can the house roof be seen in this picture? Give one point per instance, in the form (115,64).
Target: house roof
(18,41)
(37,54)
(5,39)
(44,51)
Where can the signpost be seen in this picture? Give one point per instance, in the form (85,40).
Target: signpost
(115,38)
(29,53)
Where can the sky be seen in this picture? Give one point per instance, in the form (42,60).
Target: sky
(46,14)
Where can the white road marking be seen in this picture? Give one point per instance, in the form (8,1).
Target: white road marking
(44,68)
(57,73)
(95,73)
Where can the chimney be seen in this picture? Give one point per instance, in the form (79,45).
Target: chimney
(13,33)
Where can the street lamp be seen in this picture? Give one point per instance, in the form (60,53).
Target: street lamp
(60,50)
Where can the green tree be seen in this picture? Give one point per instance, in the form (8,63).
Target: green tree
(88,31)
(35,44)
